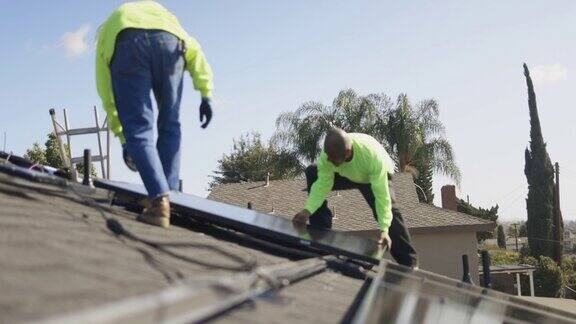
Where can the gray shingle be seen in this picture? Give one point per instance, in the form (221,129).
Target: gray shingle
(287,197)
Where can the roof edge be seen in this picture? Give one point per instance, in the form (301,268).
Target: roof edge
(487,227)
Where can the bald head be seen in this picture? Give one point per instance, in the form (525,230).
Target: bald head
(337,145)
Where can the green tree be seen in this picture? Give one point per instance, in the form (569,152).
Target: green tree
(414,136)
(548,278)
(501,238)
(569,270)
(300,131)
(251,160)
(36,154)
(522,231)
(540,175)
(518,229)
(490,214)
(50,155)
(418,145)
(502,257)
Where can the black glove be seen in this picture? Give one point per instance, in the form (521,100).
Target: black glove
(205,112)
(128,160)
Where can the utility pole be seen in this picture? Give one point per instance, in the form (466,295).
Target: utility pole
(516,235)
(558,234)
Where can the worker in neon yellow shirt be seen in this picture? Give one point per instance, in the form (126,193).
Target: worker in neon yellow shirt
(142,49)
(357,161)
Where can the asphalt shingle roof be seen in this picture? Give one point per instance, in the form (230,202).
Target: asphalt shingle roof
(57,257)
(287,197)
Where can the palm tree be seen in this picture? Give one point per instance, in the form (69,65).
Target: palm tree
(414,136)
(417,142)
(301,131)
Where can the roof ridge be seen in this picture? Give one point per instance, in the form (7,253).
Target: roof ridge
(457,212)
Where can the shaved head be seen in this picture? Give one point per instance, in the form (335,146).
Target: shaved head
(337,144)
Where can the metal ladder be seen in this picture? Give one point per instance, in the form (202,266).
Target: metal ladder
(66,155)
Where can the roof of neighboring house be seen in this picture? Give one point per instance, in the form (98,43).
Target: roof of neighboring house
(509,268)
(287,197)
(57,256)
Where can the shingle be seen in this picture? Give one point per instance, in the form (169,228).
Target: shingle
(287,197)
(56,257)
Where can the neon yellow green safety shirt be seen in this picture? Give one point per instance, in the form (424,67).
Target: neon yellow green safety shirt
(369,165)
(144,15)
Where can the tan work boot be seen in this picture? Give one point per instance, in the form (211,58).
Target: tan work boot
(158,213)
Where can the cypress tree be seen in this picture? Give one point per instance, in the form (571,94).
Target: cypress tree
(540,175)
(500,237)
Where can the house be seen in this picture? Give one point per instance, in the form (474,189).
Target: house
(440,235)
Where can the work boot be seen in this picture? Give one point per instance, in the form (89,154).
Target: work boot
(145,203)
(158,213)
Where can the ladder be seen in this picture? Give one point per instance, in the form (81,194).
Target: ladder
(66,154)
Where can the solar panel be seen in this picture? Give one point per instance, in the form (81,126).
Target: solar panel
(249,221)
(401,295)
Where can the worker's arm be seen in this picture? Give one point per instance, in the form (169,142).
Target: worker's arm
(379,183)
(199,68)
(322,186)
(104,87)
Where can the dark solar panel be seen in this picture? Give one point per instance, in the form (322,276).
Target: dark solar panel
(402,295)
(271,226)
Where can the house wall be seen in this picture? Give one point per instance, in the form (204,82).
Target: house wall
(442,252)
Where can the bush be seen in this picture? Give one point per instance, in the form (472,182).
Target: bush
(500,257)
(548,279)
(524,252)
(569,270)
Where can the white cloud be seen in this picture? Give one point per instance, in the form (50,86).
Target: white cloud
(75,42)
(548,74)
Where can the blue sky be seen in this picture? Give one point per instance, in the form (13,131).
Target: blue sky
(270,56)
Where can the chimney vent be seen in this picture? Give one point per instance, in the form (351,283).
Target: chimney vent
(449,200)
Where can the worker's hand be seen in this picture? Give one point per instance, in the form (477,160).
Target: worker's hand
(205,112)
(128,160)
(301,218)
(385,240)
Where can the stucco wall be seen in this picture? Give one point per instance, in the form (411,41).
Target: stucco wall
(442,252)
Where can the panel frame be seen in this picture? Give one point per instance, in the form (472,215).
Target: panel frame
(306,237)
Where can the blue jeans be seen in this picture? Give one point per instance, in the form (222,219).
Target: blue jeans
(148,61)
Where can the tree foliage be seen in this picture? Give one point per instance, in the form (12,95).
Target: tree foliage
(301,131)
(49,155)
(569,270)
(503,257)
(417,140)
(548,278)
(517,230)
(501,237)
(413,135)
(490,214)
(540,175)
(252,160)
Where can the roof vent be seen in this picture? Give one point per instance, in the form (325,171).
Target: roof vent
(267,180)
